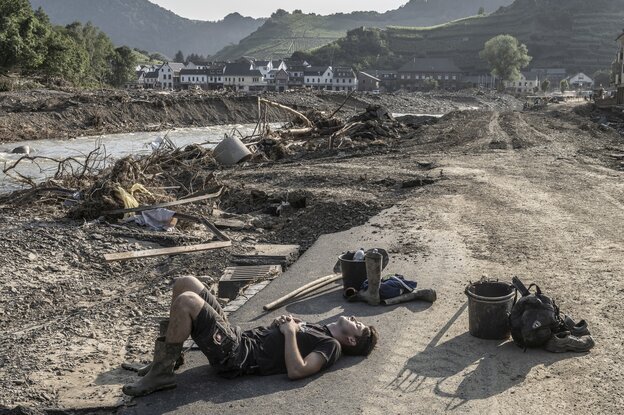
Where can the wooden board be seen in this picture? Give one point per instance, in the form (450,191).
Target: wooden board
(122,256)
(268,254)
(166,204)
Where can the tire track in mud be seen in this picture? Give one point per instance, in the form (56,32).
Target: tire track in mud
(500,140)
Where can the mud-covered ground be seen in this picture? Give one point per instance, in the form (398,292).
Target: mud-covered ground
(56,115)
(69,319)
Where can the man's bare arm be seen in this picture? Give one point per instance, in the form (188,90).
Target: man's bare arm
(297,366)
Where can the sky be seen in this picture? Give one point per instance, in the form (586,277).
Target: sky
(216,10)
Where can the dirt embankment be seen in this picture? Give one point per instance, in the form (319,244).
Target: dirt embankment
(57,115)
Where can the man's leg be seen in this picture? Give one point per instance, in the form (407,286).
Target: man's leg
(192,284)
(184,310)
(186,284)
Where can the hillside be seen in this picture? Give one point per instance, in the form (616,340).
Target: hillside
(579,37)
(282,35)
(144,25)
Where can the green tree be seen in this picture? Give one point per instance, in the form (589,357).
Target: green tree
(179,57)
(65,57)
(123,64)
(279,13)
(481,11)
(99,49)
(506,56)
(545,85)
(564,85)
(22,36)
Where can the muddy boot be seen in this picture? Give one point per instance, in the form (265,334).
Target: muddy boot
(428,295)
(373,273)
(162,332)
(161,374)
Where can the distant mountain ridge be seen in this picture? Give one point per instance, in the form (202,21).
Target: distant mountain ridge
(144,25)
(577,37)
(282,35)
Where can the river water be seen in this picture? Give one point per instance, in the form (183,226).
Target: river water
(116,146)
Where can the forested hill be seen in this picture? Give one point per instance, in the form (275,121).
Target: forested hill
(144,25)
(285,33)
(575,34)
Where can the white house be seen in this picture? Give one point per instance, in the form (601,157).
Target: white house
(266,67)
(527,83)
(215,76)
(190,78)
(191,65)
(344,79)
(580,81)
(242,77)
(150,79)
(318,77)
(169,75)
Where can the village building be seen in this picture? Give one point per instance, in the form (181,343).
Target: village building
(387,78)
(215,76)
(243,77)
(420,74)
(580,81)
(553,75)
(191,65)
(277,80)
(318,77)
(194,78)
(367,82)
(617,71)
(295,74)
(344,79)
(169,75)
(150,79)
(479,80)
(529,83)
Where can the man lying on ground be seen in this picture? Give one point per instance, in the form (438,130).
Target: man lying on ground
(287,346)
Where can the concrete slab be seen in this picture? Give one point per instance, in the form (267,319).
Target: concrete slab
(201,391)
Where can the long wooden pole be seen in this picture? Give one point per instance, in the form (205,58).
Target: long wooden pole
(316,284)
(285,108)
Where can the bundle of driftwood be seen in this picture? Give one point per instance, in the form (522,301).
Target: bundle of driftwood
(96,184)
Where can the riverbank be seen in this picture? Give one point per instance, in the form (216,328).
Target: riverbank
(44,114)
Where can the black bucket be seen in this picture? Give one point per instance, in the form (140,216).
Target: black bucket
(489,305)
(353,272)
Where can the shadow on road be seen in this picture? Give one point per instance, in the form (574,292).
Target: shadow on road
(201,384)
(465,368)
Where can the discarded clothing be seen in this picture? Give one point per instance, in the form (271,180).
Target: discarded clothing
(157,219)
(392,286)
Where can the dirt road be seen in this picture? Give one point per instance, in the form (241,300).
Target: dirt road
(537,195)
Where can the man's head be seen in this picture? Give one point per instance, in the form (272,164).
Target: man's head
(356,338)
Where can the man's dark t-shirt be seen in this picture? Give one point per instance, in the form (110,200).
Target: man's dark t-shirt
(267,347)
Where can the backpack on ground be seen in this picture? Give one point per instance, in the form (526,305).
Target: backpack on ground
(534,317)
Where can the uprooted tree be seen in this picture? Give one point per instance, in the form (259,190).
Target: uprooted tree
(506,57)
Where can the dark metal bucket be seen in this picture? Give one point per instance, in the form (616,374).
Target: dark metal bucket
(489,305)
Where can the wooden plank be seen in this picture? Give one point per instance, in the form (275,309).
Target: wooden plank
(122,256)
(166,204)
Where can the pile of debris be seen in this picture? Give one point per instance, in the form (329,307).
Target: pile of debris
(317,130)
(93,186)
